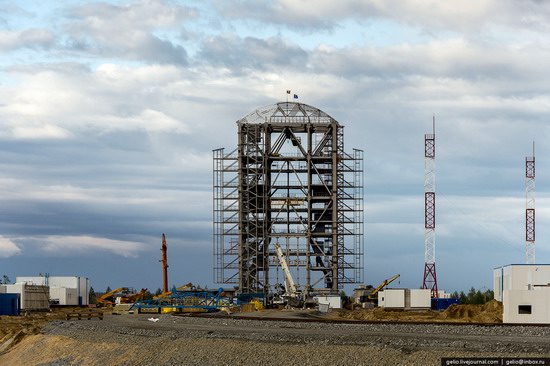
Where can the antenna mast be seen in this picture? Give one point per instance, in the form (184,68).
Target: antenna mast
(430,278)
(530,208)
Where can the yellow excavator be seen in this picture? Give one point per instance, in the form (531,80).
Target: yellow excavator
(168,293)
(132,298)
(126,297)
(107,298)
(373,296)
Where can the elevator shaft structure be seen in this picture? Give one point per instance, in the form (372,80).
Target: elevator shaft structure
(530,208)
(289,182)
(430,276)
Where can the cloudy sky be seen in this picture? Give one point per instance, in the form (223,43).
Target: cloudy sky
(109,112)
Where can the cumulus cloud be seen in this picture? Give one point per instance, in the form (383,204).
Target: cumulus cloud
(66,245)
(8,248)
(107,130)
(45,131)
(54,103)
(128,31)
(28,38)
(429,17)
(252,53)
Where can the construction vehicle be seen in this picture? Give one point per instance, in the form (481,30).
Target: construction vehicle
(127,295)
(131,298)
(291,294)
(373,295)
(188,286)
(107,299)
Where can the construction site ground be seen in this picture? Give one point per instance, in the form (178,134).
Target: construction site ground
(366,337)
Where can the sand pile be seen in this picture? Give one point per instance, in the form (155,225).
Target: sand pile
(381,314)
(491,312)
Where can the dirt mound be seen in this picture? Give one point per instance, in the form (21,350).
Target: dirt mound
(13,329)
(60,350)
(381,314)
(491,312)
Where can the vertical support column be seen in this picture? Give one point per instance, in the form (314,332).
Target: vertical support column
(530,208)
(335,199)
(430,277)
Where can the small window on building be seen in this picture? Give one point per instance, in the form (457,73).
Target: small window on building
(524,309)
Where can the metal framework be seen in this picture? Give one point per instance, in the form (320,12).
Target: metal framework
(185,301)
(288,182)
(530,208)
(430,276)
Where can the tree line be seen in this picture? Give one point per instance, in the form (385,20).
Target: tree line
(474,296)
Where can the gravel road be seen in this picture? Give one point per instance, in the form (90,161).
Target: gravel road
(176,340)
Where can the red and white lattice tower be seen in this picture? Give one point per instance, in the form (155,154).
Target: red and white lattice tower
(530,208)
(430,278)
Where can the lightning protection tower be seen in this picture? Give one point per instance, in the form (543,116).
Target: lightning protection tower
(288,182)
(530,208)
(430,277)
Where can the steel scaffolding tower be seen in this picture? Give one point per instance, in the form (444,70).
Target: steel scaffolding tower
(530,208)
(288,182)
(430,277)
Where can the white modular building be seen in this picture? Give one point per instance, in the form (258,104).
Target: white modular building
(400,298)
(64,290)
(64,296)
(330,302)
(524,290)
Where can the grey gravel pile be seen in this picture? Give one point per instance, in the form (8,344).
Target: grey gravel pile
(174,340)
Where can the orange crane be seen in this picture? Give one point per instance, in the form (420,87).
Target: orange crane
(164,261)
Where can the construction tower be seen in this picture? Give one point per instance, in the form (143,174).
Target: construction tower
(430,277)
(288,182)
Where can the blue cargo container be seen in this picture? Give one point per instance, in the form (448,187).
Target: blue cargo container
(10,304)
(443,304)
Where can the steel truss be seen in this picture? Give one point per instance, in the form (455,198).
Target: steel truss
(289,182)
(430,276)
(530,208)
(185,301)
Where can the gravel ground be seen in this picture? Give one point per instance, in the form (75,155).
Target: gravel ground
(174,340)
